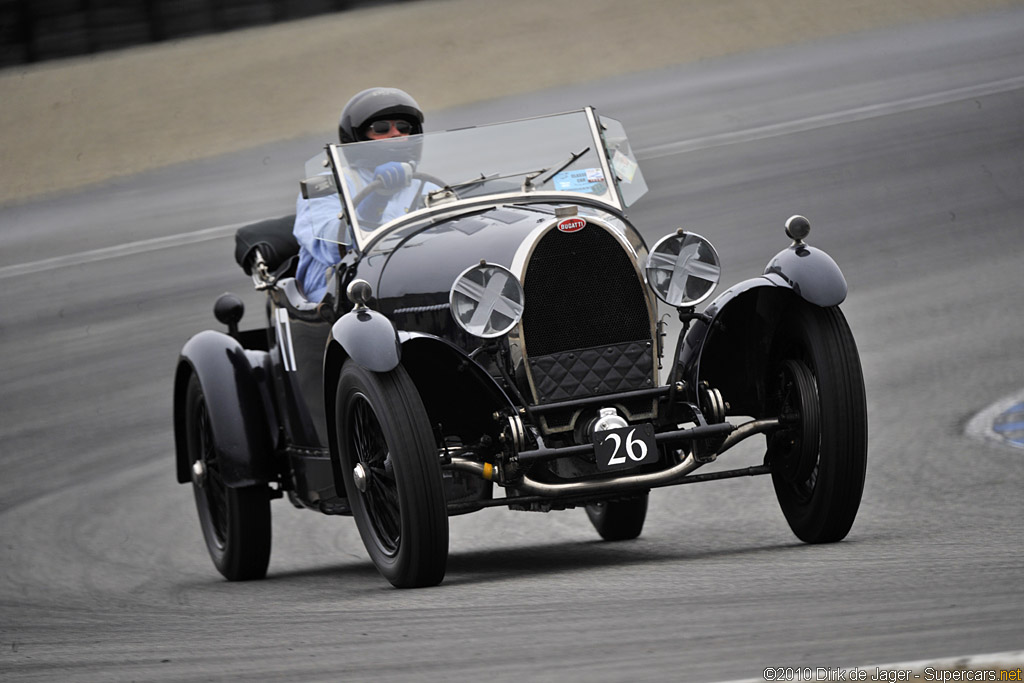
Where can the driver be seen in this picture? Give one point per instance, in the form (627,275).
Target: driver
(373,114)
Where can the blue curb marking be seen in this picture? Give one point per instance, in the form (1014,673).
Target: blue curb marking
(1010,425)
(1001,422)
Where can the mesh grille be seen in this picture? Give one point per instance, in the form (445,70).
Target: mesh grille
(582,291)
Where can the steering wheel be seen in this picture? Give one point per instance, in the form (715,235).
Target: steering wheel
(376,185)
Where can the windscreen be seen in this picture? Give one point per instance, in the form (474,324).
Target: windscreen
(627,172)
(550,155)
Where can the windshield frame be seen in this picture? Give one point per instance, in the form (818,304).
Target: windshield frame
(364,236)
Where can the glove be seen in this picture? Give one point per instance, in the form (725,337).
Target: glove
(392,175)
(371,208)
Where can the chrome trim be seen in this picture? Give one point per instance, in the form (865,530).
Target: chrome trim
(199,473)
(602,153)
(748,429)
(798,228)
(517,432)
(462,206)
(663,478)
(701,270)
(487,299)
(466,465)
(359,292)
(261,279)
(360,477)
(607,418)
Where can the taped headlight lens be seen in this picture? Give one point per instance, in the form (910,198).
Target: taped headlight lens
(486,300)
(683,269)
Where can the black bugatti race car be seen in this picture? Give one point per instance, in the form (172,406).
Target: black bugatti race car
(499,344)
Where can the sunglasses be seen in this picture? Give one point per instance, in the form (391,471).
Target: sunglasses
(382,127)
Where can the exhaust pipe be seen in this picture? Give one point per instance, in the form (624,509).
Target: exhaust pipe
(528,486)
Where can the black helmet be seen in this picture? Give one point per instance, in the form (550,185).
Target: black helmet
(375,104)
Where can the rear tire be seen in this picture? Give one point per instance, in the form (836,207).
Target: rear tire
(399,503)
(619,520)
(235,521)
(818,469)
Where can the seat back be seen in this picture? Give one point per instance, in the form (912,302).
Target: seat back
(275,241)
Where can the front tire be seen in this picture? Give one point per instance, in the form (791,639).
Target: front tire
(619,520)
(389,461)
(818,466)
(235,521)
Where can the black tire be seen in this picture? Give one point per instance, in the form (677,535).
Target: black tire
(400,510)
(235,521)
(619,520)
(818,467)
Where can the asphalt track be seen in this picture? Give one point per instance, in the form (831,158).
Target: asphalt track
(903,147)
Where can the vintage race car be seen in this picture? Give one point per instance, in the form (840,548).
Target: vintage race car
(499,344)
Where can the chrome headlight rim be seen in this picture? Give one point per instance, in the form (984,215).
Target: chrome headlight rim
(474,285)
(691,244)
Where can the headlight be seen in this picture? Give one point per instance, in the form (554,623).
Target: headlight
(486,300)
(683,269)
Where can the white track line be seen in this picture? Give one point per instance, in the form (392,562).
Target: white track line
(120,250)
(668,149)
(832,119)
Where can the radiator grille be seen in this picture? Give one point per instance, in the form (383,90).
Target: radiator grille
(586,329)
(582,291)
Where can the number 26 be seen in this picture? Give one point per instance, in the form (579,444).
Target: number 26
(635,449)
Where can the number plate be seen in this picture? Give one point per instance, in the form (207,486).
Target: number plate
(620,449)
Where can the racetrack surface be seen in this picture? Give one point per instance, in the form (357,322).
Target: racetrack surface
(903,146)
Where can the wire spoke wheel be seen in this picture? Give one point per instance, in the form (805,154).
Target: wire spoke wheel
(381,494)
(797,450)
(392,473)
(235,521)
(819,464)
(213,493)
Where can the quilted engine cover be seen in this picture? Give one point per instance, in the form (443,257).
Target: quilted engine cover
(588,372)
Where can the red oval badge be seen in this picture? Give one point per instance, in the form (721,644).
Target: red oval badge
(571,224)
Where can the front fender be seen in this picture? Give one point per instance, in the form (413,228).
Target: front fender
(730,348)
(809,272)
(368,338)
(458,393)
(450,381)
(230,378)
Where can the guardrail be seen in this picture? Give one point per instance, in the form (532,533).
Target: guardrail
(38,30)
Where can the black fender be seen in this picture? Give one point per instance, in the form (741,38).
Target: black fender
(233,382)
(731,347)
(458,393)
(809,272)
(368,338)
